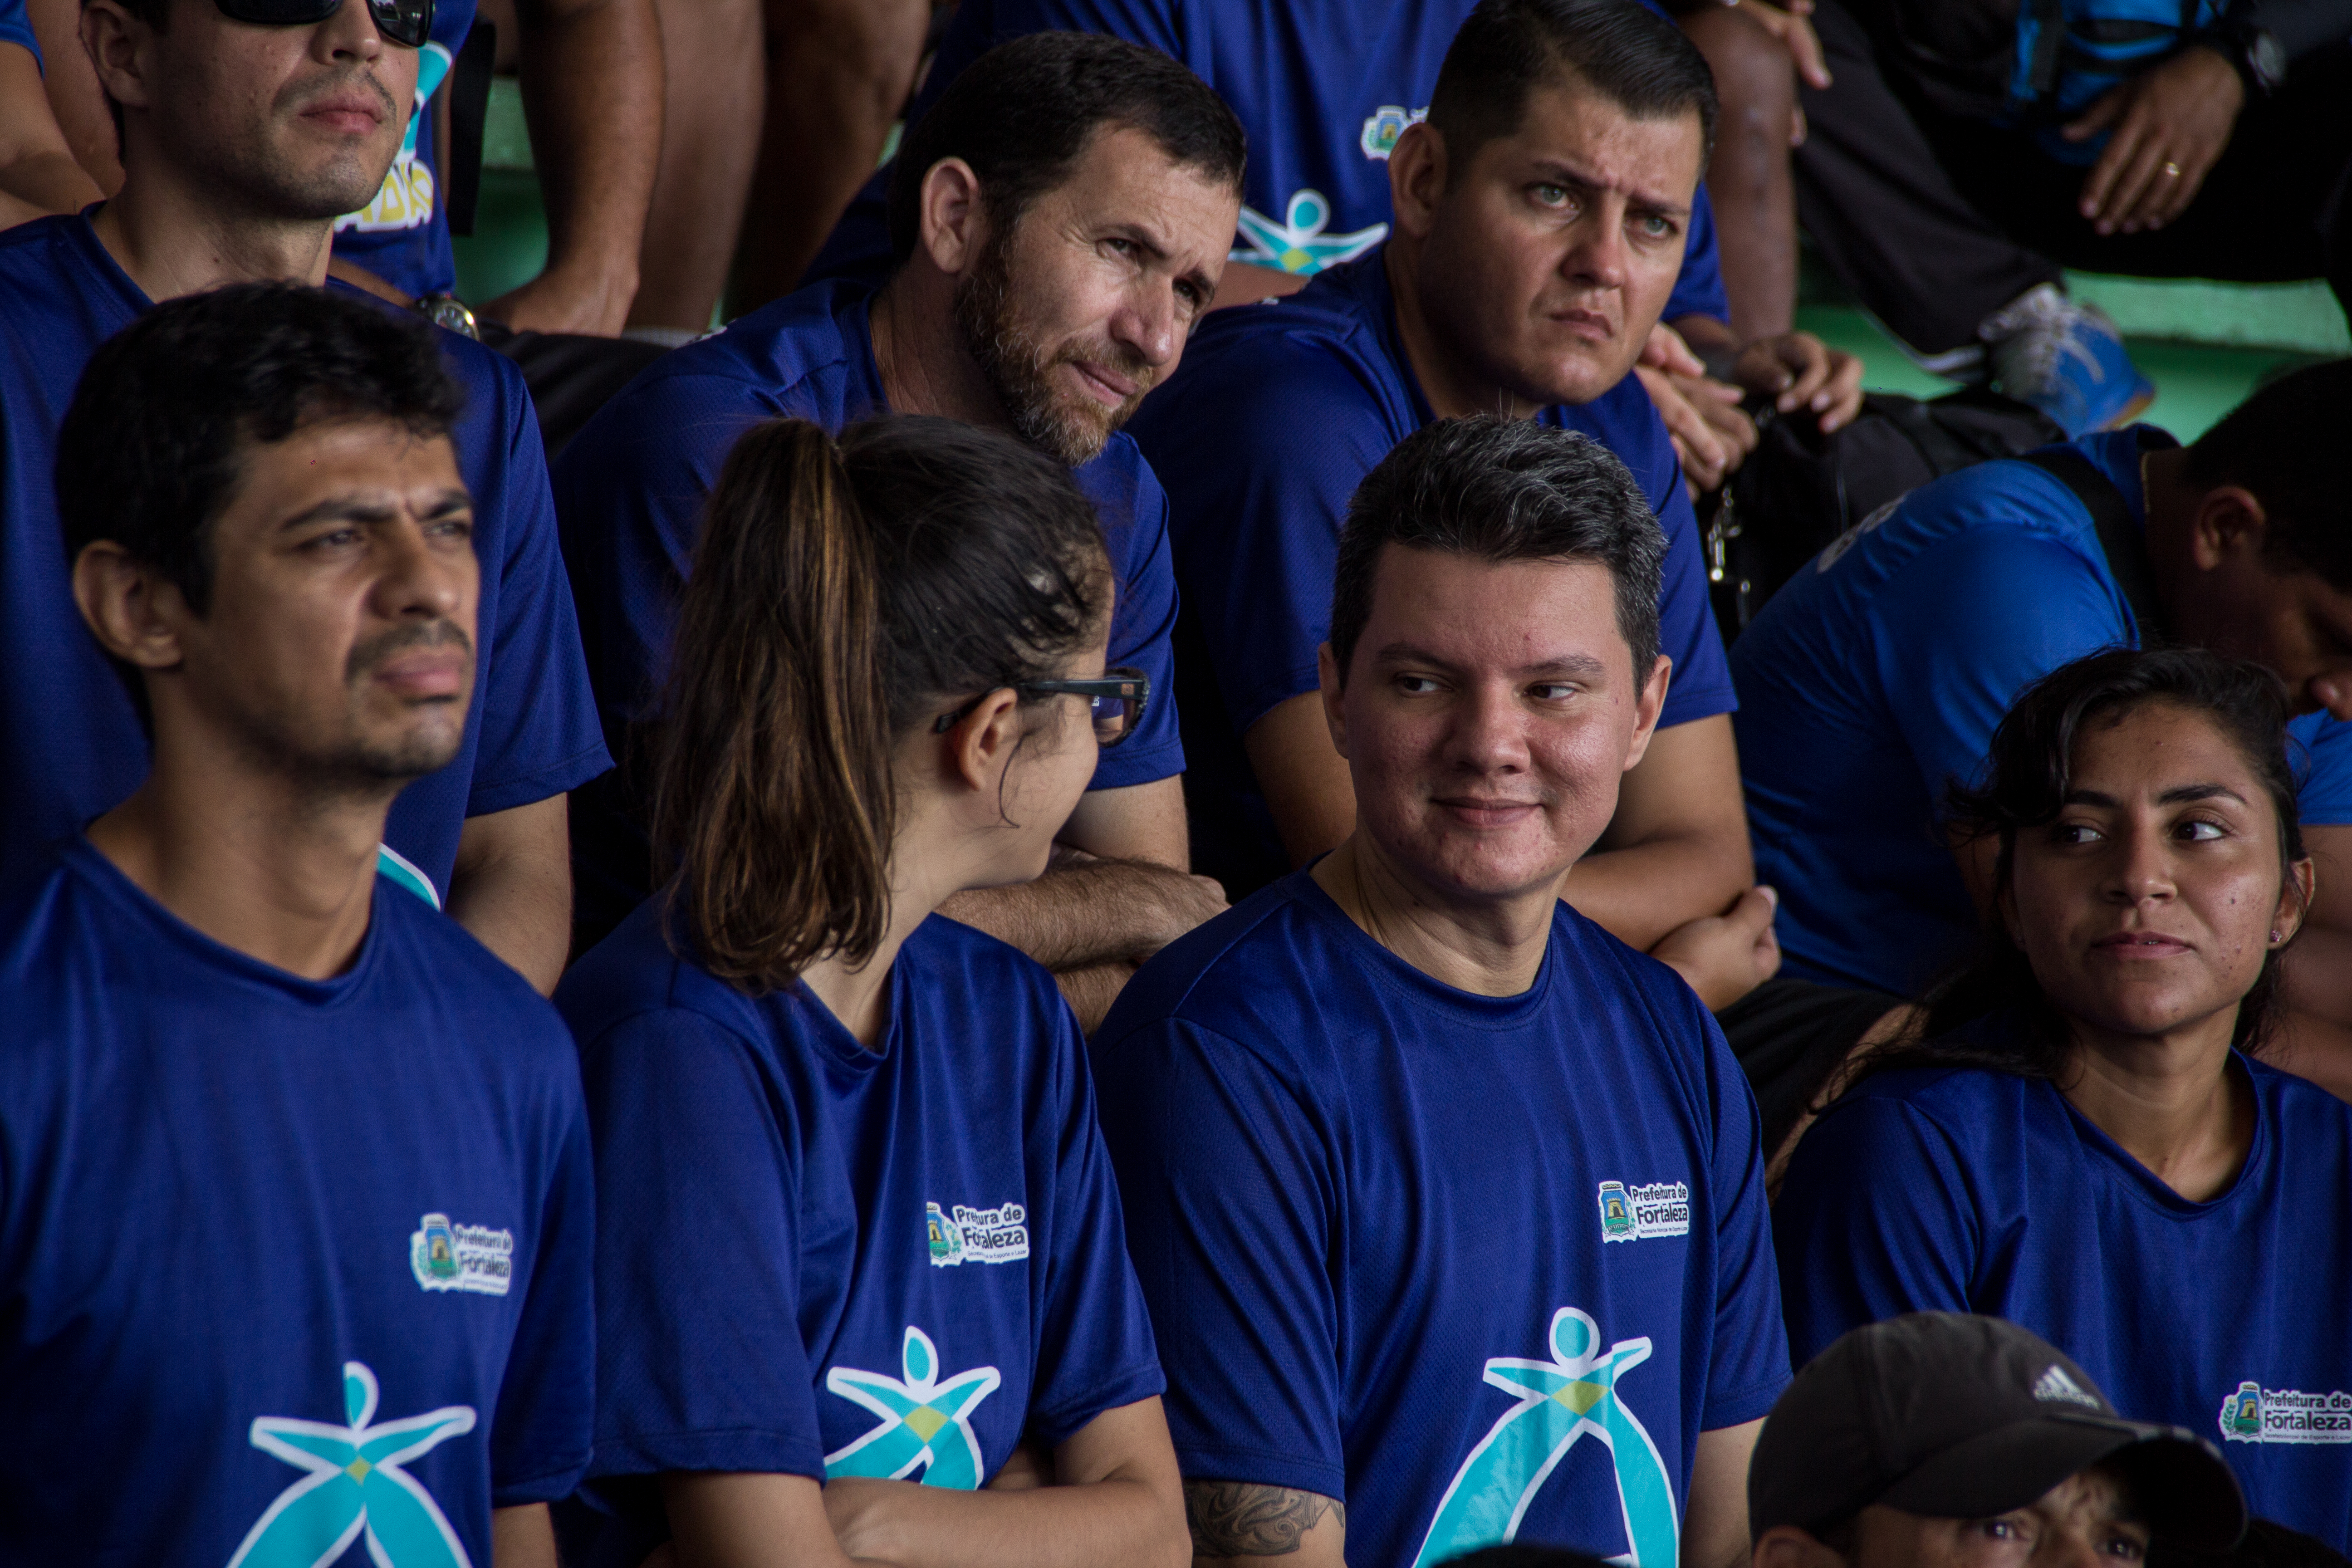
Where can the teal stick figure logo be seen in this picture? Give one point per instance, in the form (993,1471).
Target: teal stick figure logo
(925,1422)
(1296,242)
(1573,1396)
(354,1484)
(2242,1413)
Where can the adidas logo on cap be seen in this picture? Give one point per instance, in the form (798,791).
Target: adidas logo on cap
(2054,1384)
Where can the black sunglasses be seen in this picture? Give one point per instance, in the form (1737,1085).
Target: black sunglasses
(1115,698)
(405,22)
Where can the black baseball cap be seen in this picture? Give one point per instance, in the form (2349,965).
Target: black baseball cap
(1953,1416)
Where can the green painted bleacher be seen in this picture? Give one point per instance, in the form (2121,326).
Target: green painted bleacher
(2204,344)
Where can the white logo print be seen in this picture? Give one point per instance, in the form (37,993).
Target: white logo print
(1638,1213)
(961,1235)
(2257,1414)
(2054,1384)
(447,1256)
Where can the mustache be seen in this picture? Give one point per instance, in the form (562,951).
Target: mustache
(366,656)
(1117,357)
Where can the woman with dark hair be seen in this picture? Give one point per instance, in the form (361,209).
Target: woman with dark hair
(2087,1141)
(861,1283)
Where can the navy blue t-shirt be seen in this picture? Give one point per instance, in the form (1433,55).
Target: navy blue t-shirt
(70,737)
(257,1229)
(1880,672)
(1970,1190)
(1322,87)
(1411,1248)
(402,236)
(630,490)
(1280,411)
(818,1259)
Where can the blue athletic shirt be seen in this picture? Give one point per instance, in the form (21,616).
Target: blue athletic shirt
(69,736)
(1971,1191)
(1322,87)
(1279,412)
(630,488)
(1478,1266)
(402,236)
(257,1229)
(16,28)
(1880,672)
(817,1260)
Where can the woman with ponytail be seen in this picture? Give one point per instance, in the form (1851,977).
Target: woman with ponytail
(863,1292)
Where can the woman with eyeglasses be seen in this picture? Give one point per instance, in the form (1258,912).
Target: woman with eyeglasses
(863,1290)
(2089,1141)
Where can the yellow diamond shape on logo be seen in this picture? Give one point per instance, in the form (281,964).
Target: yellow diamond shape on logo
(925,1422)
(358,1469)
(1581,1396)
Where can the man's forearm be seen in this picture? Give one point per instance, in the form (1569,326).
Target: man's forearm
(1641,891)
(1120,1521)
(1078,916)
(1091,991)
(511,887)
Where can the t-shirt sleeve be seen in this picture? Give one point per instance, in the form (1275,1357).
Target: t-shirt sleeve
(1143,630)
(1260,458)
(541,1438)
(1229,1192)
(701,1365)
(2321,751)
(1874,1220)
(539,731)
(1698,287)
(1749,1363)
(1095,1350)
(1967,625)
(16,28)
(1701,685)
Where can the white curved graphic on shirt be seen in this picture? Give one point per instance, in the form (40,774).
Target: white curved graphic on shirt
(406,200)
(926,1419)
(1297,243)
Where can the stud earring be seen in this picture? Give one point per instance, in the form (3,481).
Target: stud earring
(2275,937)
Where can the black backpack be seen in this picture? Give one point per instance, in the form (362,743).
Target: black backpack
(1799,490)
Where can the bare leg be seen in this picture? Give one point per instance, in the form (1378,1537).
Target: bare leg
(714,84)
(1748,180)
(839,72)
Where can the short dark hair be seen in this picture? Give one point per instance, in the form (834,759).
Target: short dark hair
(153,442)
(841,593)
(2280,444)
(1507,49)
(1022,113)
(1502,490)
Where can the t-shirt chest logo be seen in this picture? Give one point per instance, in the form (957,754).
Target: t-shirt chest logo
(926,1419)
(958,1234)
(471,1257)
(2252,1413)
(1647,1210)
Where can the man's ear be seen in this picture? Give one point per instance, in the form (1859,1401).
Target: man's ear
(980,748)
(1650,703)
(2229,520)
(1417,169)
(117,46)
(1327,666)
(1786,1546)
(132,612)
(950,226)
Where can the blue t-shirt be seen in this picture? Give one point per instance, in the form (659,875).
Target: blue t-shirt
(630,488)
(1279,412)
(1478,1266)
(255,1229)
(70,737)
(1879,673)
(1970,1191)
(817,1260)
(16,28)
(1322,87)
(402,236)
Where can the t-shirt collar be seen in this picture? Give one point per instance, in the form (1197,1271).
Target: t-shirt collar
(1422,989)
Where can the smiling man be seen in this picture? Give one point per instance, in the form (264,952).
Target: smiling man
(1060,220)
(1541,216)
(295,1179)
(1447,1203)
(246,129)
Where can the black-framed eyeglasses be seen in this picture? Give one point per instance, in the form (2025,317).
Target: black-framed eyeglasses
(405,22)
(1116,699)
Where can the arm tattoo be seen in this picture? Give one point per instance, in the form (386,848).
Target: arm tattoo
(1245,1519)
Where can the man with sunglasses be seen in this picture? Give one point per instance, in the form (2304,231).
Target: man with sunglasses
(244,137)
(1062,219)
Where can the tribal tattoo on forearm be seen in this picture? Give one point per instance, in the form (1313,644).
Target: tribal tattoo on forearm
(1245,1518)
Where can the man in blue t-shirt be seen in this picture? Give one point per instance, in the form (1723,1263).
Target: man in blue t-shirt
(240,143)
(1877,677)
(1447,1203)
(296,1190)
(1061,220)
(1540,224)
(1324,98)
